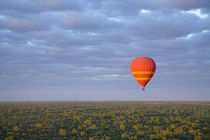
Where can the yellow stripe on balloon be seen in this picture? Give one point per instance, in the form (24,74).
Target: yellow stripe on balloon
(144,78)
(143,72)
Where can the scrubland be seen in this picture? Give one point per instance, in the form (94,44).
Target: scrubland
(104,120)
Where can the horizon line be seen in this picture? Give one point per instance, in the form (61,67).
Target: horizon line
(104,101)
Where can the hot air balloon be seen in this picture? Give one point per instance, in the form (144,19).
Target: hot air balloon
(143,69)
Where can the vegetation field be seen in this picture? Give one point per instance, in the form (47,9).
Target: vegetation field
(104,120)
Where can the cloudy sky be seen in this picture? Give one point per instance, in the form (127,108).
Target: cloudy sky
(82,49)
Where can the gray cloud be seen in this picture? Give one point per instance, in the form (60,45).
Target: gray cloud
(72,47)
(38,6)
(121,7)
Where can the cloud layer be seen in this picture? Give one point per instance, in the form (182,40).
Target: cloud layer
(81,50)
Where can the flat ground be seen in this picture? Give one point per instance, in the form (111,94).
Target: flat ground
(104,120)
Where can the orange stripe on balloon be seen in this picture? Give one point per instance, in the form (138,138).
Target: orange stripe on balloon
(143,72)
(143,78)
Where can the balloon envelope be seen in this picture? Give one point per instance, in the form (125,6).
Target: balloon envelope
(143,69)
